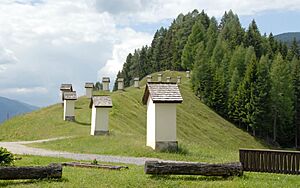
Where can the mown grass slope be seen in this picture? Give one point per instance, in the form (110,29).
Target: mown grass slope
(202,134)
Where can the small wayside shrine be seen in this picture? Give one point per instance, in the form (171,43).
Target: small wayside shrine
(136,83)
(120,83)
(188,74)
(161,99)
(178,79)
(65,88)
(159,77)
(89,86)
(105,83)
(100,114)
(69,105)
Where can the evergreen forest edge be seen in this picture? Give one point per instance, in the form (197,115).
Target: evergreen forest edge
(252,80)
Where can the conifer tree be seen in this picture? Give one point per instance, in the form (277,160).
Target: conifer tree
(282,101)
(211,36)
(189,51)
(238,61)
(253,38)
(126,70)
(232,92)
(156,48)
(202,76)
(232,30)
(296,88)
(263,87)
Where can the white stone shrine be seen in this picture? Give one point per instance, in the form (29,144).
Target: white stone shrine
(105,83)
(136,82)
(69,105)
(161,100)
(100,114)
(120,83)
(188,74)
(89,86)
(178,79)
(149,78)
(159,77)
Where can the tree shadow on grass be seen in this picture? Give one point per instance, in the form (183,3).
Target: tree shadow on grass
(190,178)
(82,123)
(6,183)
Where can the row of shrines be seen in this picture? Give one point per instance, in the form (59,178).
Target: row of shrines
(161,99)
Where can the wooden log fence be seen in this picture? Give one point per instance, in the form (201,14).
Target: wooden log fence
(272,161)
(185,168)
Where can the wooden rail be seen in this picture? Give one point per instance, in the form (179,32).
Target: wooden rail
(273,161)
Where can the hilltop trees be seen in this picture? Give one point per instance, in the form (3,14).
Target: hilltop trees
(250,79)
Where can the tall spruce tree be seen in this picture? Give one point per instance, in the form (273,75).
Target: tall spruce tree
(156,49)
(242,103)
(183,30)
(190,49)
(263,87)
(296,87)
(232,31)
(238,61)
(282,101)
(232,92)
(202,77)
(126,70)
(253,38)
(211,36)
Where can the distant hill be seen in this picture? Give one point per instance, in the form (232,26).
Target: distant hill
(289,37)
(10,108)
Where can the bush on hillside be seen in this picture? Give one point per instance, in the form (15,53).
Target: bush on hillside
(6,157)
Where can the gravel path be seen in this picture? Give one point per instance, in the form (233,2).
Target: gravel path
(21,149)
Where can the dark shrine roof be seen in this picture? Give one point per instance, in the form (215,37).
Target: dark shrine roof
(105,79)
(101,101)
(89,85)
(162,92)
(66,87)
(70,95)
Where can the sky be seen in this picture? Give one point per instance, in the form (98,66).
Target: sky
(44,43)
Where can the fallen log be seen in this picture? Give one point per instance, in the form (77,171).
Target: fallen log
(89,165)
(31,172)
(185,168)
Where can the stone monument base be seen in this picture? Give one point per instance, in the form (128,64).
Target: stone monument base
(166,146)
(96,133)
(69,118)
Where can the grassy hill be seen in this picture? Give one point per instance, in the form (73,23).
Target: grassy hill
(202,134)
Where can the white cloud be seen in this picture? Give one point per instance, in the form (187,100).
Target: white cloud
(130,40)
(52,42)
(7,56)
(157,10)
(36,90)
